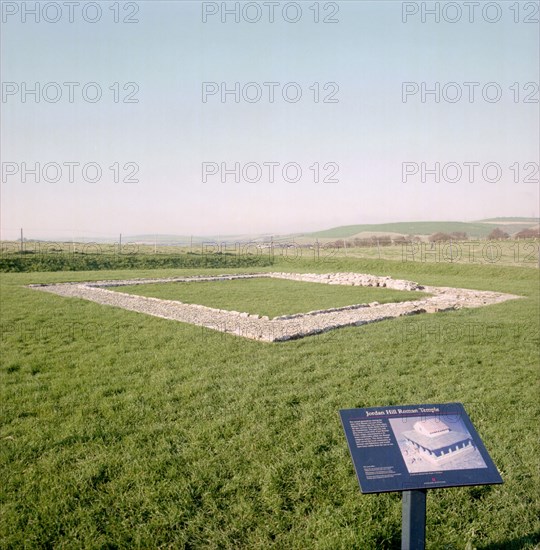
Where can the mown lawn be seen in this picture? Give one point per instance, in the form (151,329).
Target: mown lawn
(271,297)
(120,430)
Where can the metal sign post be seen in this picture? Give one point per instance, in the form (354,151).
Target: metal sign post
(413,448)
(413,520)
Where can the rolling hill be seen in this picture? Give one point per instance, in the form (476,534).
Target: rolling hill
(473,229)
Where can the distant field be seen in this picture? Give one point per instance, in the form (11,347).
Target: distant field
(122,430)
(532,221)
(270,297)
(503,253)
(524,253)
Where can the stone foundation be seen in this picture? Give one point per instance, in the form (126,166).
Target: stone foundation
(285,327)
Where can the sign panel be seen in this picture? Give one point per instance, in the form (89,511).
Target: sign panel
(416,447)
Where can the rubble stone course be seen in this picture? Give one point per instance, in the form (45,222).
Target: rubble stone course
(285,327)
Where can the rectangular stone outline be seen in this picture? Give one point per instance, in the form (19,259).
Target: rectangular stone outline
(287,327)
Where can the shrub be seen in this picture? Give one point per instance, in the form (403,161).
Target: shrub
(498,234)
(439,237)
(381,240)
(401,240)
(530,233)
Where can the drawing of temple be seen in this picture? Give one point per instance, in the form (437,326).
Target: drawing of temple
(435,441)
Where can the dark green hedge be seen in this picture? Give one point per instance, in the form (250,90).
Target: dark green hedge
(93,262)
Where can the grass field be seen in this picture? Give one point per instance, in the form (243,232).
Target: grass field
(120,430)
(270,297)
(487,253)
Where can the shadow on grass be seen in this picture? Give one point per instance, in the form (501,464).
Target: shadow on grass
(391,541)
(394,543)
(514,544)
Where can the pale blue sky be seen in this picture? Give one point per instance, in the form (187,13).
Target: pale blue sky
(171,132)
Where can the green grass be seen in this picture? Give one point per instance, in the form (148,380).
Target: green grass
(121,430)
(271,297)
(473,253)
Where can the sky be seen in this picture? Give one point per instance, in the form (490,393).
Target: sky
(353,134)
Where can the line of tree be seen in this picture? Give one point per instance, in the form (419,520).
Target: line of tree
(496,234)
(530,233)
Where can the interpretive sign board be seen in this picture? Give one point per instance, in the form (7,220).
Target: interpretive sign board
(410,447)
